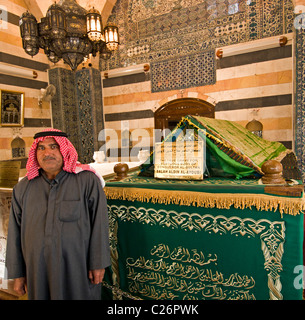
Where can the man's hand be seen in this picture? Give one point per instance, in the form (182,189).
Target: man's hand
(96,276)
(20,286)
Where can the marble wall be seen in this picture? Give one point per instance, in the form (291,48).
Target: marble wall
(164,34)
(160,30)
(37,116)
(12,54)
(257,84)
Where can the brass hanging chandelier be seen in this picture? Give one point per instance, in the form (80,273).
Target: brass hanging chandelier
(68,32)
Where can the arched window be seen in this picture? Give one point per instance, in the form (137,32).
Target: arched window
(170,114)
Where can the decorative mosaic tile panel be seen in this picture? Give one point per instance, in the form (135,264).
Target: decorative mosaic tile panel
(167,30)
(97,106)
(64,113)
(158,30)
(174,20)
(300,100)
(184,72)
(83,85)
(77,108)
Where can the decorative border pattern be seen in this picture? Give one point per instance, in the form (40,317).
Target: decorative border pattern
(64,113)
(300,100)
(272,234)
(77,108)
(83,86)
(188,71)
(153,31)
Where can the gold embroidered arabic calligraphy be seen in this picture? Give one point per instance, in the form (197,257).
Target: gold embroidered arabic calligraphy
(170,273)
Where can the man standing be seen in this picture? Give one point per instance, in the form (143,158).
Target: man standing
(58,243)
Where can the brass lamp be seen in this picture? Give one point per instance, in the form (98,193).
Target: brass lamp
(95,25)
(29,34)
(112,37)
(67,32)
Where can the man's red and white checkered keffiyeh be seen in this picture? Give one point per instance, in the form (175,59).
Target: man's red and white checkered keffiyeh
(68,153)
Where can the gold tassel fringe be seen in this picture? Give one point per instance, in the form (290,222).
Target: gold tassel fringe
(292,206)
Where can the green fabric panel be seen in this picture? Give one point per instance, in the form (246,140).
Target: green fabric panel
(257,149)
(181,252)
(228,165)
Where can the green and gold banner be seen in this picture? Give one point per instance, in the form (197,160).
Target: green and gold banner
(173,251)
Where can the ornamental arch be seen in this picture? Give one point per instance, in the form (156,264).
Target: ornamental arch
(170,113)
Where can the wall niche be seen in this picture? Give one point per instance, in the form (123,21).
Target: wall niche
(18,148)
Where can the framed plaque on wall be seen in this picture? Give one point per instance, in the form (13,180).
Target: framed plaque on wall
(12,108)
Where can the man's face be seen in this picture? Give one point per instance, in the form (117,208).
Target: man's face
(49,157)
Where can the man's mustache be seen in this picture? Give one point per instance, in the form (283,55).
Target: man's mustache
(48,158)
